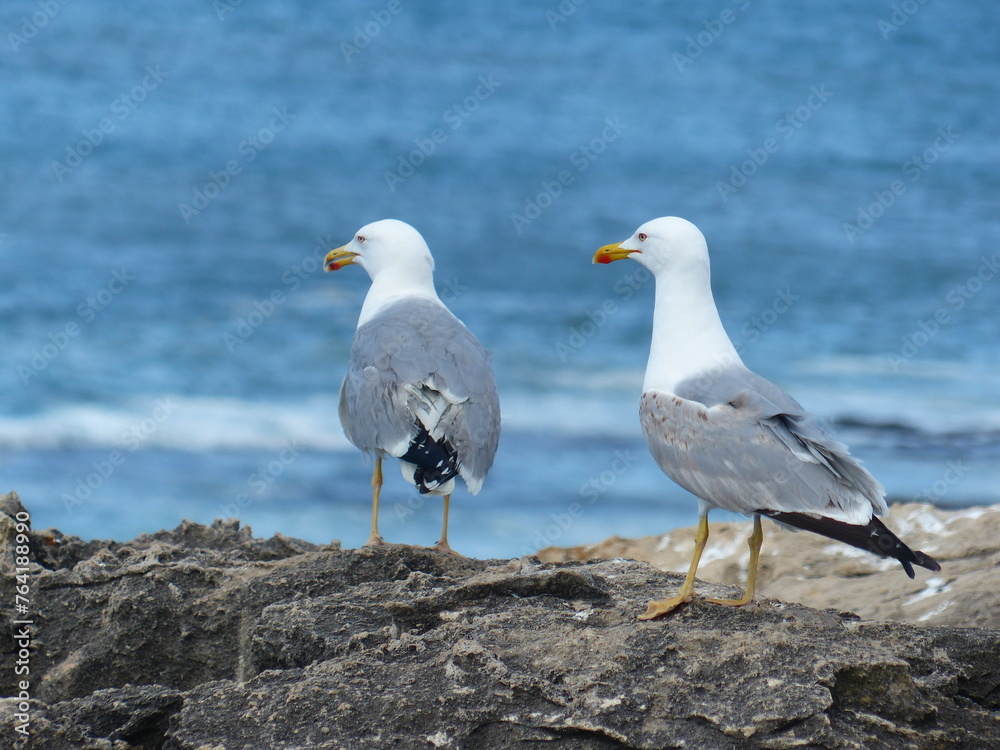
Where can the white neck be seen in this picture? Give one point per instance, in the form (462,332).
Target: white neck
(391,284)
(688,337)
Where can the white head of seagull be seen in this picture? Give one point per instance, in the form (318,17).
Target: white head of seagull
(396,258)
(688,337)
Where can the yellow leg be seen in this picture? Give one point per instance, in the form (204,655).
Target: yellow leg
(666,606)
(375,537)
(755,540)
(442,545)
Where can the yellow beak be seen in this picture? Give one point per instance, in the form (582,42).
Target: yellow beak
(611,253)
(338,258)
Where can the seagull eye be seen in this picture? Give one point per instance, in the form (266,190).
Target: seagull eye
(642,236)
(361,239)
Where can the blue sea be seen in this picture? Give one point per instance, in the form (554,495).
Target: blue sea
(172,175)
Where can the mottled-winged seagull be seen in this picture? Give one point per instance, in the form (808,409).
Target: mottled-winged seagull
(732,438)
(419,386)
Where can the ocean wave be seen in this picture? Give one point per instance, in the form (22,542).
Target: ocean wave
(573,414)
(927,412)
(207,423)
(181,423)
(609,412)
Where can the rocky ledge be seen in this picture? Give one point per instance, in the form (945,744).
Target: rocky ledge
(810,569)
(204,637)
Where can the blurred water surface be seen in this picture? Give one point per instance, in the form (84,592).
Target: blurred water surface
(172,175)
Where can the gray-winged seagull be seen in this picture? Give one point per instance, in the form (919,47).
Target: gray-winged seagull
(419,386)
(732,438)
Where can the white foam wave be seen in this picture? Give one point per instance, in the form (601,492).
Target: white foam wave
(182,423)
(206,423)
(575,414)
(927,412)
(608,410)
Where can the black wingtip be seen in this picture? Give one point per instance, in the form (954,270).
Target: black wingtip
(891,545)
(872,537)
(925,561)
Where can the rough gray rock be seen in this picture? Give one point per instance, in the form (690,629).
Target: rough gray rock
(203,637)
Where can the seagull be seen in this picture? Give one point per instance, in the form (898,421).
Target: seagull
(730,437)
(419,386)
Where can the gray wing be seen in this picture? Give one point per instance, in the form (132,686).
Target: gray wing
(416,362)
(739,442)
